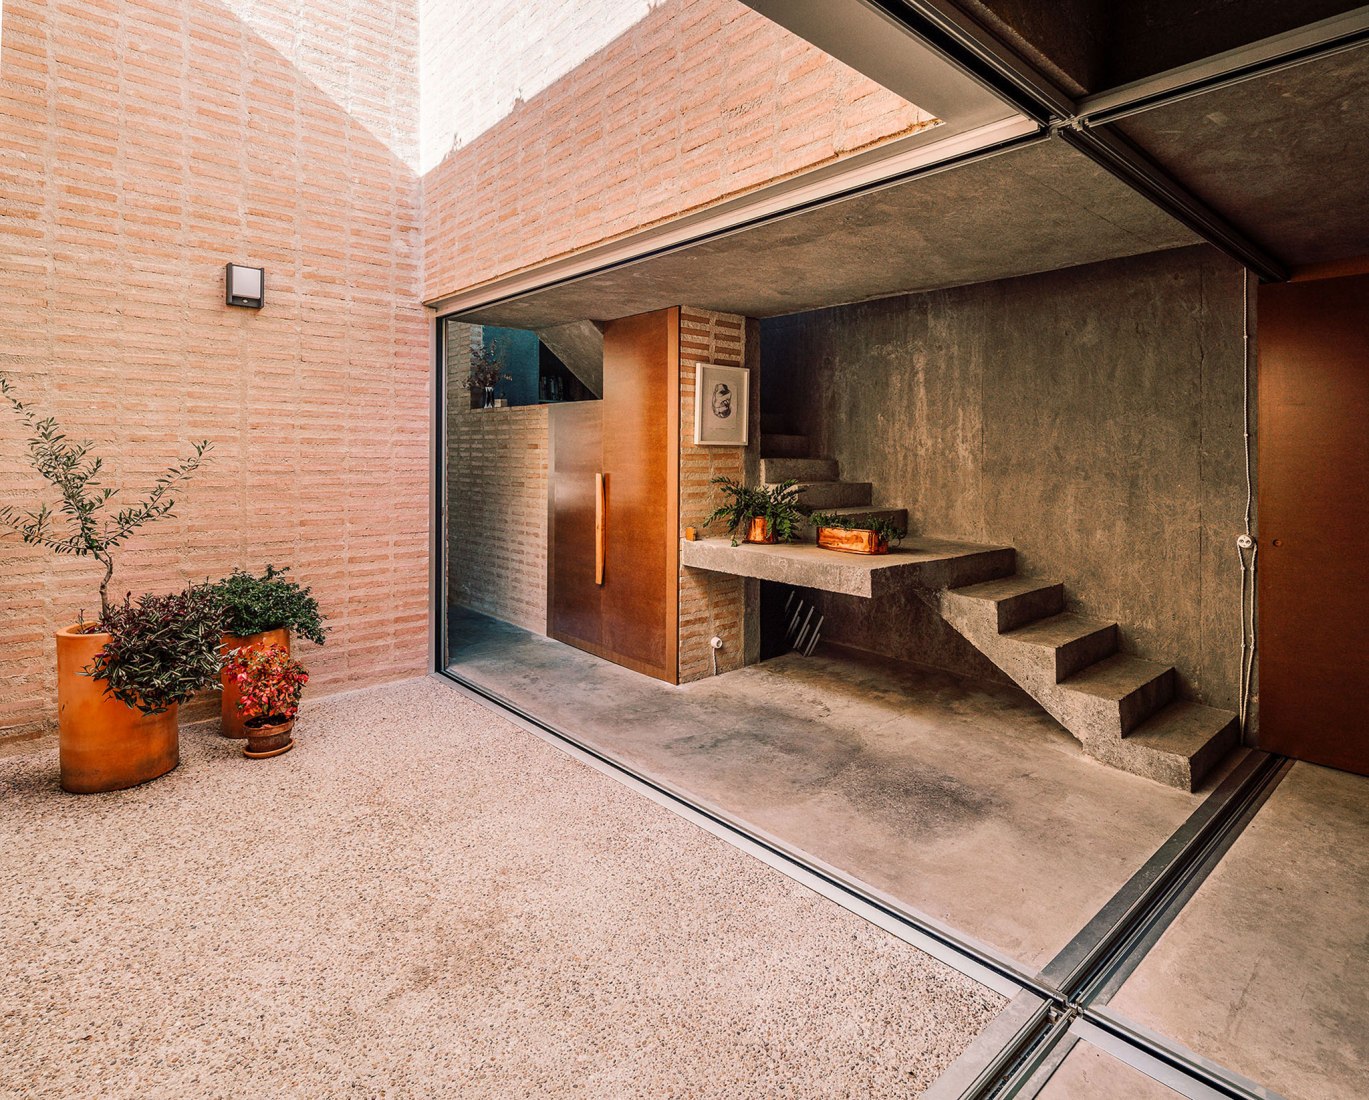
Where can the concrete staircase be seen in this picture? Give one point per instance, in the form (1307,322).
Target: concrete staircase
(1122,709)
(785,456)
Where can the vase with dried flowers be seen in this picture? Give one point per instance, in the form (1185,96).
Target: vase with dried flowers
(485,374)
(269,685)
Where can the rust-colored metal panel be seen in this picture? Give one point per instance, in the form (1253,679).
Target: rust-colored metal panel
(1314,521)
(574,612)
(641,464)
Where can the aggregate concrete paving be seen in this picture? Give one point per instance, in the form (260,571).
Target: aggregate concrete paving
(424,900)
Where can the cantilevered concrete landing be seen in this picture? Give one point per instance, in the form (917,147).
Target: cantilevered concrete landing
(929,563)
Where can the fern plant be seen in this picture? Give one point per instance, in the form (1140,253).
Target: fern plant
(81,525)
(776,504)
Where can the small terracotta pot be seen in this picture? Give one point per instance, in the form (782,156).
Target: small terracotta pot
(230,717)
(264,742)
(105,745)
(759,531)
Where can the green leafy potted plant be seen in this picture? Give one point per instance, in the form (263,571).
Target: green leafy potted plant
(105,744)
(262,611)
(766,514)
(269,685)
(156,654)
(861,534)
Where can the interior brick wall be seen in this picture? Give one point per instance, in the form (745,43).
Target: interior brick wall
(145,145)
(712,604)
(698,101)
(497,511)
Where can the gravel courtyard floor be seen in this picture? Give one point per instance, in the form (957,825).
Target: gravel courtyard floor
(424,900)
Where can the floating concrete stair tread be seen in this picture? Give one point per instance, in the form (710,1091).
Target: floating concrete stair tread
(819,495)
(1129,688)
(928,563)
(774,470)
(1075,641)
(1017,601)
(779,445)
(1178,746)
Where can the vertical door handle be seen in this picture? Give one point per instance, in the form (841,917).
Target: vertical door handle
(599,485)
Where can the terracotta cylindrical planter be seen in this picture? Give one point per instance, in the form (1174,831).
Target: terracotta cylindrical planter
(105,745)
(230,717)
(264,742)
(759,531)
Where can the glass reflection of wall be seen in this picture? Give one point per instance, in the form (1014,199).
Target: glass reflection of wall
(536,374)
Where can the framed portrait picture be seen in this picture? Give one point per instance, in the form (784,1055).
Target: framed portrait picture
(722,400)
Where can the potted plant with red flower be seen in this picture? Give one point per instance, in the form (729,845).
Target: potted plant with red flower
(269,684)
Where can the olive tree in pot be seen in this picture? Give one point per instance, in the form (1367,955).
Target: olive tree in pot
(257,612)
(105,743)
(269,684)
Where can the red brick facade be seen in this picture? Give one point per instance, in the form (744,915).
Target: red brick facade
(145,145)
(701,100)
(711,604)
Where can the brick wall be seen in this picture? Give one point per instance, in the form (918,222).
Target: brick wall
(698,101)
(145,145)
(497,511)
(713,604)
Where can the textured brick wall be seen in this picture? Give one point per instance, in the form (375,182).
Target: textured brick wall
(711,604)
(698,101)
(146,144)
(497,511)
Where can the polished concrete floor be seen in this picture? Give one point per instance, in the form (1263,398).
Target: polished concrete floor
(967,803)
(1266,970)
(961,800)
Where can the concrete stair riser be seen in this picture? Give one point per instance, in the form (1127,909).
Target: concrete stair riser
(818,495)
(1067,643)
(1122,691)
(778,445)
(776,470)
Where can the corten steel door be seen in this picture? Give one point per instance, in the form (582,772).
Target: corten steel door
(613,561)
(1314,521)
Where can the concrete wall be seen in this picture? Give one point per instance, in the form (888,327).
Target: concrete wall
(694,101)
(1089,417)
(145,145)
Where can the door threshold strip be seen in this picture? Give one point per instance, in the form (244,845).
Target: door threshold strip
(1109,948)
(976,961)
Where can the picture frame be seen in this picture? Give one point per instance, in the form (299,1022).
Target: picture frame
(722,406)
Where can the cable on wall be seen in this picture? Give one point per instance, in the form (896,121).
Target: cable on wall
(1246,547)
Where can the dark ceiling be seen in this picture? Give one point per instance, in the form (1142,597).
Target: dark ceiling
(1284,156)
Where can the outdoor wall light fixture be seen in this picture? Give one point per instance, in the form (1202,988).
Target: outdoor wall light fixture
(244,285)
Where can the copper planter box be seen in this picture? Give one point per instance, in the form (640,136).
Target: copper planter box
(851,541)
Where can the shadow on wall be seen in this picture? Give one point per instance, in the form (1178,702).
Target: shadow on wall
(317,404)
(1090,417)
